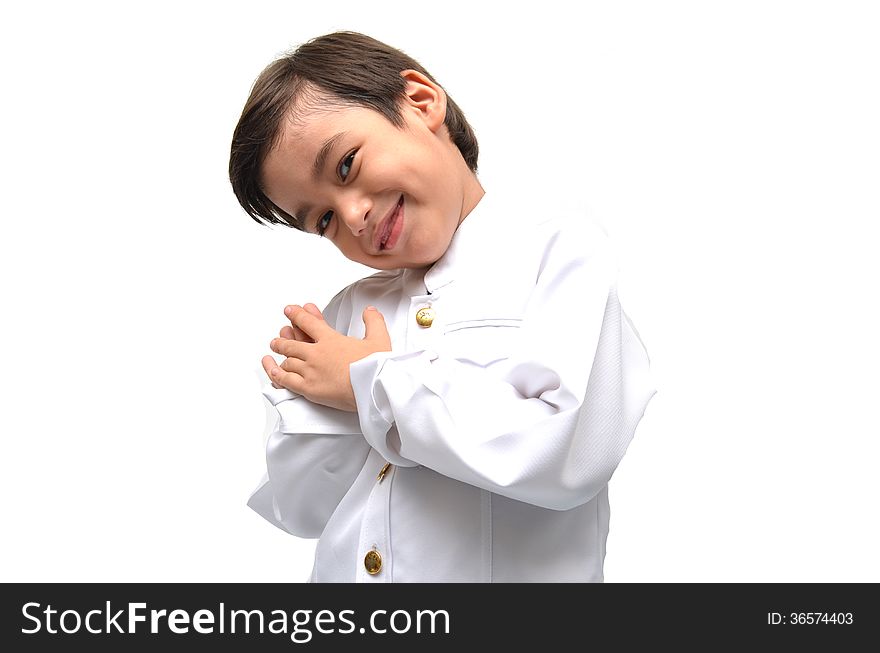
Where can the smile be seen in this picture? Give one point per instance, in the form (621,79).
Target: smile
(392,227)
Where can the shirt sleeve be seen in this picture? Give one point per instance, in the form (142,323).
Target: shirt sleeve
(549,428)
(313,455)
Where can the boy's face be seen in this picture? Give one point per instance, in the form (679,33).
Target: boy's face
(387,198)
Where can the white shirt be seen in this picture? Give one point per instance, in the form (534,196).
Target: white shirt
(503,421)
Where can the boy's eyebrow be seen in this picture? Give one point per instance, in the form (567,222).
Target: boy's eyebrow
(324,152)
(301,213)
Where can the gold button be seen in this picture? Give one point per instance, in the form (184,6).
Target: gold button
(382,472)
(373,562)
(425,316)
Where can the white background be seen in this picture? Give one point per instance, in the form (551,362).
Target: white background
(731,150)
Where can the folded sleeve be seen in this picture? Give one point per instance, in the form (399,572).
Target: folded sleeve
(550,424)
(313,455)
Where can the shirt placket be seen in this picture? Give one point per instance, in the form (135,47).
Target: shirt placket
(422,322)
(375,538)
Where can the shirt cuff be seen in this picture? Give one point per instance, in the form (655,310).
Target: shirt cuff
(299,415)
(372,378)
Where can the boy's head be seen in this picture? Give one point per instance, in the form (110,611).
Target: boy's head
(353,140)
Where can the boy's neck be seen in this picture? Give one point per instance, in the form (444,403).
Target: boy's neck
(473,193)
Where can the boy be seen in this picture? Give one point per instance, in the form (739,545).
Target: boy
(456,416)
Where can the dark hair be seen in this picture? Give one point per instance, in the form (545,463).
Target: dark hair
(353,69)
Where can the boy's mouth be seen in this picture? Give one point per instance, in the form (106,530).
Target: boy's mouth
(389,229)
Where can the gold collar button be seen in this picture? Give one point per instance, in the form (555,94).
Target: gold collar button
(425,316)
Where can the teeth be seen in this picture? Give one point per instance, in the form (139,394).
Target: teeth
(387,233)
(388,228)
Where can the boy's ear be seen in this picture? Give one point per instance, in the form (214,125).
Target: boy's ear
(425,98)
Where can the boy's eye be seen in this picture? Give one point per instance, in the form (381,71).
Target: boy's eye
(324,222)
(345,166)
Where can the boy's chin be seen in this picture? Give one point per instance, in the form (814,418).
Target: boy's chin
(397,265)
(394,263)
(422,258)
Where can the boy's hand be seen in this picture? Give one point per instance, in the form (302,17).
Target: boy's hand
(317,366)
(294,333)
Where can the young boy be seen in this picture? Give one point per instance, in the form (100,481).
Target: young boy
(458,415)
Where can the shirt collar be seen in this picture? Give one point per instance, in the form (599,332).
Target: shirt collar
(472,236)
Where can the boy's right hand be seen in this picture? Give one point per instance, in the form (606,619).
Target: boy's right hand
(294,333)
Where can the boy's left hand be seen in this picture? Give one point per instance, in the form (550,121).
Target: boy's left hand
(319,370)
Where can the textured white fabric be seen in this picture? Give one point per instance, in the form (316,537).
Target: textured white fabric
(504,420)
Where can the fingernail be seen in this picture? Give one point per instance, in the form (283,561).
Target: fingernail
(371,308)
(288,311)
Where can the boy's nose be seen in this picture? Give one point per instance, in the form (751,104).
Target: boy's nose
(354,213)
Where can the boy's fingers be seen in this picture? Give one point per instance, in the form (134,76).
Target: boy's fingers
(309,323)
(293,365)
(268,364)
(290,380)
(375,327)
(299,334)
(292,348)
(281,378)
(294,333)
(314,310)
